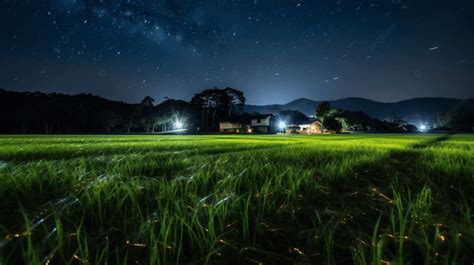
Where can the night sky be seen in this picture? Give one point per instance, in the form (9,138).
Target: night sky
(275,51)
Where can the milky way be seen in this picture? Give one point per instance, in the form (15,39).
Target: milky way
(275,51)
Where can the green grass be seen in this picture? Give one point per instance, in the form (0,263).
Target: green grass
(332,199)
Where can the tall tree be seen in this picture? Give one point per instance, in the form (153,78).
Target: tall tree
(207,101)
(333,124)
(322,112)
(144,113)
(216,102)
(234,97)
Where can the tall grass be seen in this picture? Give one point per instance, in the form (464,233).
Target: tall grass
(363,199)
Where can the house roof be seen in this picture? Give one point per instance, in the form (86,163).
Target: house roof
(311,121)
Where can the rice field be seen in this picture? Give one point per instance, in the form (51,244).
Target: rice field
(230,199)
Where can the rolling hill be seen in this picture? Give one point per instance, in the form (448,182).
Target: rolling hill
(413,110)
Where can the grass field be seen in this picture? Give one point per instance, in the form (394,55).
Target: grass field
(342,199)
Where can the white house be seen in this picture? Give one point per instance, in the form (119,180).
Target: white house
(311,127)
(262,123)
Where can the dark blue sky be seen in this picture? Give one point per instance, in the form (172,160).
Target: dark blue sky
(273,50)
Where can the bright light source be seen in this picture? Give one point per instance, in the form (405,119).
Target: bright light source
(178,125)
(422,128)
(282,125)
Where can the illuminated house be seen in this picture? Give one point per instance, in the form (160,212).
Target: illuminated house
(293,128)
(230,127)
(262,123)
(312,127)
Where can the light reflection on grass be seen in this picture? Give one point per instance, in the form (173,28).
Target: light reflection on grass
(236,199)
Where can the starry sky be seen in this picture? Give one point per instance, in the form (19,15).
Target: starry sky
(273,50)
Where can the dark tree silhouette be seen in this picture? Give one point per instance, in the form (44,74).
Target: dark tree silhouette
(172,110)
(460,117)
(146,114)
(333,124)
(216,104)
(35,112)
(235,98)
(322,111)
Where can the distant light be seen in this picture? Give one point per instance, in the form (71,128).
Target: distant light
(422,128)
(282,125)
(178,125)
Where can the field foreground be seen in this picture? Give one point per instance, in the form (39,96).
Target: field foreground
(343,199)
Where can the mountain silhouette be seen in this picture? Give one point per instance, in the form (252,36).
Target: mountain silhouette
(414,110)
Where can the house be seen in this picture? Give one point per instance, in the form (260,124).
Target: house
(262,123)
(230,127)
(293,128)
(311,127)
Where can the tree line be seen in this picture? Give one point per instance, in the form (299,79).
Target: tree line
(36,112)
(337,120)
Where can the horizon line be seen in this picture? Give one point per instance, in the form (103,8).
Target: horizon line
(248,104)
